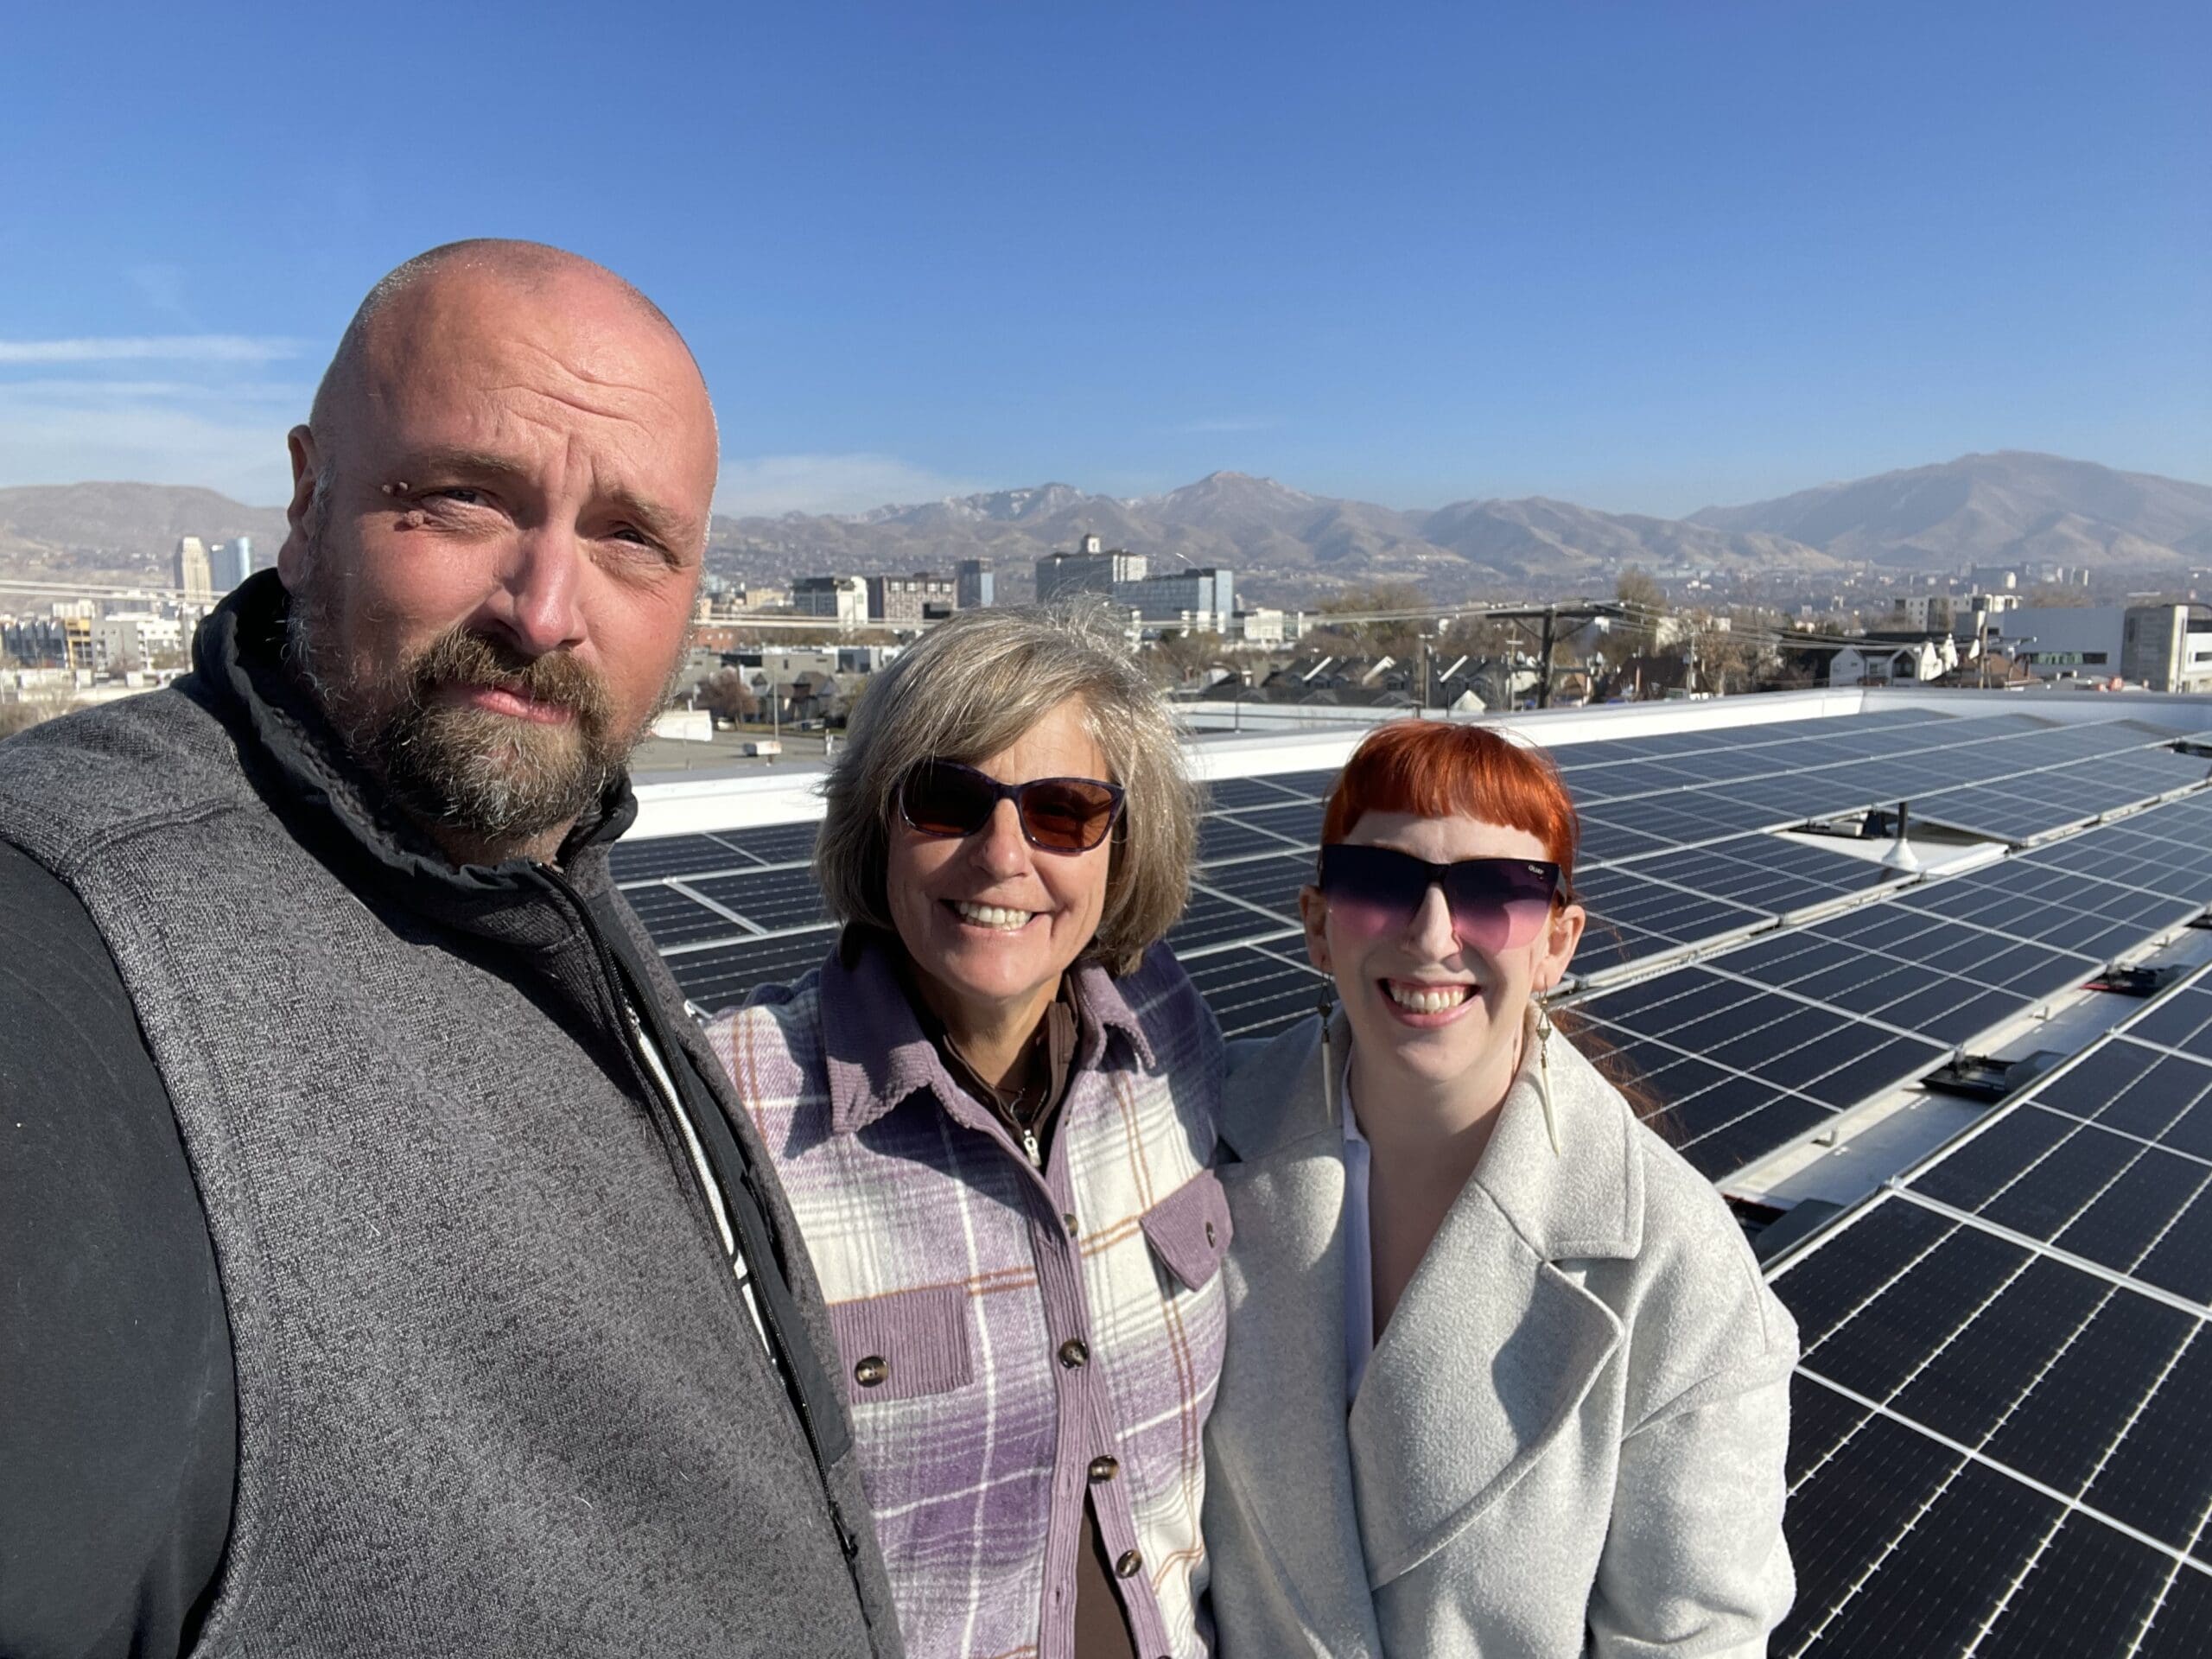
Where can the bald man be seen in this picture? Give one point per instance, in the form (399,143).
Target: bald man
(389,1268)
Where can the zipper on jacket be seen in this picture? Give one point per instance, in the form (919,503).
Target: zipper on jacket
(776,1341)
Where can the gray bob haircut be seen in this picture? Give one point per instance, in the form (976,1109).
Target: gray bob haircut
(969,688)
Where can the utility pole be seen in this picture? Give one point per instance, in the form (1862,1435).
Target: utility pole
(1544,663)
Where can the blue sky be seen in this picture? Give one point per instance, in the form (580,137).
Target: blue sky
(1640,255)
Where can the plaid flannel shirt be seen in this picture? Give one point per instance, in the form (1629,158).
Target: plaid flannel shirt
(1014,1340)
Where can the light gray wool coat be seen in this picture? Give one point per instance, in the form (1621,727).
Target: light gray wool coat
(1570,1438)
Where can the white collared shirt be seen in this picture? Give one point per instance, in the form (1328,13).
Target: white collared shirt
(1359,1249)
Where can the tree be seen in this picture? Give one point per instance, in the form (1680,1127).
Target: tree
(725,695)
(21,716)
(1398,639)
(1177,657)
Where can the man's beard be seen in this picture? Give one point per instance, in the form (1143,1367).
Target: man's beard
(495,779)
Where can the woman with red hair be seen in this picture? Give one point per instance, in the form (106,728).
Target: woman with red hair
(1502,1376)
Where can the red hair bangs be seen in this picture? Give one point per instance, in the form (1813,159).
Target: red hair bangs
(1438,769)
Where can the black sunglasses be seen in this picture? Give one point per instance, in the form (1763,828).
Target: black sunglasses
(1497,904)
(1058,814)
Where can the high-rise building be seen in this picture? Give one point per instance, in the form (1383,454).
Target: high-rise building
(1203,599)
(195,579)
(1089,569)
(974,585)
(230,563)
(895,600)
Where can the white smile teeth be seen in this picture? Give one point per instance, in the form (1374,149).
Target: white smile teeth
(1434,999)
(992,915)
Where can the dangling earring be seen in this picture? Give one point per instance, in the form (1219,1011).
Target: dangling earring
(1544,1075)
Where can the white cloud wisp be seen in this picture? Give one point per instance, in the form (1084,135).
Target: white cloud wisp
(767,485)
(151,348)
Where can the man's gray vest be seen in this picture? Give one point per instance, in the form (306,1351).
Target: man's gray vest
(498,1389)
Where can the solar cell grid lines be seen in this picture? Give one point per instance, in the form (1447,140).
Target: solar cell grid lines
(720,976)
(1998,1452)
(1256,993)
(1775,874)
(2182,1021)
(2043,902)
(1632,916)
(1740,1069)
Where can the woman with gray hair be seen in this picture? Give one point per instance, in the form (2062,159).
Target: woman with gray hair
(993,1110)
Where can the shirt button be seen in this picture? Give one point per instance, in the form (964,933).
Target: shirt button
(1069,1219)
(872,1371)
(1074,1353)
(1105,1468)
(1130,1564)
(1210,1233)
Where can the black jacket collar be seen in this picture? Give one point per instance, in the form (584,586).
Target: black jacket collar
(299,764)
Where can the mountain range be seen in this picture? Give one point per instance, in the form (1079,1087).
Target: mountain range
(1288,545)
(1978,508)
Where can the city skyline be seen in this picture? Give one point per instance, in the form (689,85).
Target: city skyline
(1646,260)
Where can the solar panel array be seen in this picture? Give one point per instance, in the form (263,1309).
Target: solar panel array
(2002,1424)
(2002,1441)
(1902,983)
(1678,852)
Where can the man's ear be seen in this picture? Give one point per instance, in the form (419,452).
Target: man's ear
(302,510)
(1313,911)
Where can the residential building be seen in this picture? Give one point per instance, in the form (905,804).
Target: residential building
(1921,612)
(974,584)
(2167,647)
(134,638)
(195,580)
(1893,661)
(843,598)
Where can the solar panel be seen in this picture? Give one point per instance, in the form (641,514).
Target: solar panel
(719,976)
(1740,1070)
(1632,916)
(667,855)
(1775,874)
(672,916)
(772,900)
(1211,919)
(1998,1452)
(1255,993)
(1268,884)
(2061,907)
(1223,837)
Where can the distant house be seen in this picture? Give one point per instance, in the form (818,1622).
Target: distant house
(1892,660)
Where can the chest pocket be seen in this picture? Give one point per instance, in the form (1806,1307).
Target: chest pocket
(1189,1230)
(900,1346)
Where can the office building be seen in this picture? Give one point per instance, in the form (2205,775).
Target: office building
(1089,569)
(1202,601)
(842,599)
(974,585)
(894,600)
(2167,647)
(230,563)
(195,579)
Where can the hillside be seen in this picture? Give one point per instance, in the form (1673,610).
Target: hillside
(1990,509)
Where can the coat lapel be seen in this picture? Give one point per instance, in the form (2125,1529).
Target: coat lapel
(1493,1347)
(1277,1432)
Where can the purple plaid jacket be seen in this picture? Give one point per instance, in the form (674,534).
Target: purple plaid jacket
(1013,1340)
